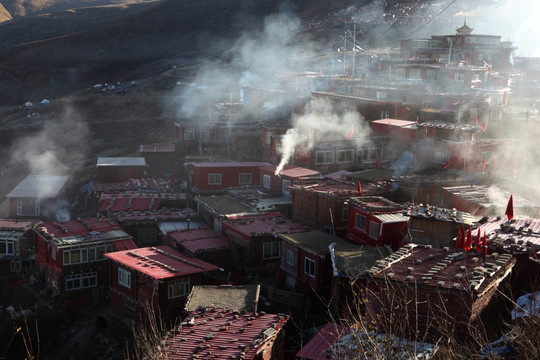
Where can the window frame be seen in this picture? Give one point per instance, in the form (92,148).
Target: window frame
(124,277)
(309,267)
(7,246)
(245,182)
(360,220)
(272,246)
(82,252)
(266,181)
(289,257)
(175,284)
(373,225)
(285,186)
(206,135)
(342,151)
(189,134)
(216,176)
(90,277)
(325,160)
(442,156)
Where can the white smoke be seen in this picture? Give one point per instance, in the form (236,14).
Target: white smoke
(324,122)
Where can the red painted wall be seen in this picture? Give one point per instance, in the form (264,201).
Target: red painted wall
(229,176)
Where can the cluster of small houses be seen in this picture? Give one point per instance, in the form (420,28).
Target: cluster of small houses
(333,226)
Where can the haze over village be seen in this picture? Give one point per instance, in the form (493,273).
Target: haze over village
(354,179)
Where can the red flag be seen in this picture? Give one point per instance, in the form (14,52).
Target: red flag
(447,165)
(484,243)
(347,71)
(509,213)
(479,240)
(352,132)
(377,161)
(483,165)
(425,129)
(468,243)
(359,187)
(476,120)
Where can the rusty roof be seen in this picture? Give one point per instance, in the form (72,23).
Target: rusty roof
(208,332)
(157,215)
(489,196)
(442,268)
(317,347)
(160,262)
(351,260)
(376,204)
(519,235)
(142,184)
(238,297)
(198,240)
(292,171)
(262,224)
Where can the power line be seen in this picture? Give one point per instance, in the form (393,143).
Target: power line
(433,18)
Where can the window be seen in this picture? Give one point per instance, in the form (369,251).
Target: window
(414,74)
(440,157)
(124,277)
(360,222)
(486,155)
(96,253)
(75,256)
(427,104)
(459,77)
(81,281)
(309,267)
(345,213)
(369,154)
(188,134)
(373,229)
(15,266)
(344,156)
(214,179)
(7,247)
(266,181)
(286,184)
(289,259)
(245,178)
(204,135)
(271,250)
(27,207)
(324,157)
(430,74)
(178,287)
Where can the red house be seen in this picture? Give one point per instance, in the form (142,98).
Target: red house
(255,242)
(160,157)
(151,279)
(70,254)
(118,169)
(17,245)
(289,175)
(420,291)
(228,334)
(401,131)
(221,175)
(377,221)
(306,263)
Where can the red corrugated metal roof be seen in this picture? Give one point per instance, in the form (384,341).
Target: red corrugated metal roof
(316,348)
(263,224)
(195,234)
(394,122)
(160,262)
(218,243)
(157,147)
(158,215)
(135,184)
(17,224)
(224,334)
(291,171)
(126,244)
(80,227)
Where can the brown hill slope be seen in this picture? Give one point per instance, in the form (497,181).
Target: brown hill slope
(4,14)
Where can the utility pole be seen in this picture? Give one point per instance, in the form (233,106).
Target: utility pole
(353,35)
(344,37)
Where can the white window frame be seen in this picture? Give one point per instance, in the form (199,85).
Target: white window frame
(285,186)
(373,229)
(20,208)
(204,135)
(430,74)
(269,249)
(95,253)
(289,257)
(325,154)
(245,178)
(189,134)
(459,77)
(7,244)
(68,254)
(360,222)
(440,157)
(266,181)
(178,287)
(371,154)
(215,179)
(309,267)
(485,155)
(124,277)
(89,278)
(345,151)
